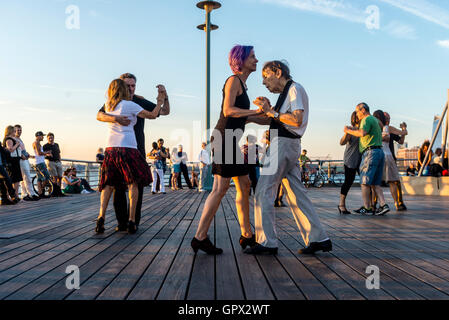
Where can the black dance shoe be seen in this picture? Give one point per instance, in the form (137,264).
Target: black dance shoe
(100,226)
(244,242)
(206,246)
(260,249)
(345,211)
(324,246)
(7,202)
(132,228)
(121,228)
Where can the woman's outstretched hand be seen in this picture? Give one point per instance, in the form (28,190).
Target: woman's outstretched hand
(161,93)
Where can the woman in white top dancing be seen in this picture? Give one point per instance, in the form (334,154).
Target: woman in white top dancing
(123,163)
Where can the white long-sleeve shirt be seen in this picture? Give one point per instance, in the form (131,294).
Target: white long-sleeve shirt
(204,157)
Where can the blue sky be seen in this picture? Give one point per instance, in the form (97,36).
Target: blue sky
(54,79)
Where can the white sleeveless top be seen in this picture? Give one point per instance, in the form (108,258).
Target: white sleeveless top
(39,159)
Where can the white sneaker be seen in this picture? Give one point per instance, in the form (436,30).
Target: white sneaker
(85,192)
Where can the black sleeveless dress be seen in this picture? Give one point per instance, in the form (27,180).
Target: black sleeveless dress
(225,163)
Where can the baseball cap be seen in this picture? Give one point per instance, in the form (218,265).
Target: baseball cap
(39,133)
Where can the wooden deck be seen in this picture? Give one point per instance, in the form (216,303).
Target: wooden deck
(39,240)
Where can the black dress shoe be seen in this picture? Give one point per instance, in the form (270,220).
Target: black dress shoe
(132,228)
(100,226)
(260,249)
(206,246)
(36,198)
(324,246)
(402,207)
(245,242)
(7,202)
(121,228)
(27,198)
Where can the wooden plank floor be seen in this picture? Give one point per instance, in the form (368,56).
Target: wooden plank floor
(39,240)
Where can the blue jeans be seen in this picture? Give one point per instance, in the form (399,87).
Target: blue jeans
(42,172)
(372,167)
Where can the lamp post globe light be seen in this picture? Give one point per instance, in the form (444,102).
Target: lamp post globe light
(208,6)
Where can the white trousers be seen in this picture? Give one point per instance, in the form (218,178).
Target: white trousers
(156,173)
(203,175)
(281,164)
(26,184)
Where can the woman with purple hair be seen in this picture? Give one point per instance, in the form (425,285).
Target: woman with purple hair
(227,158)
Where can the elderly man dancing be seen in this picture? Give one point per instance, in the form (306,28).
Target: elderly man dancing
(288,123)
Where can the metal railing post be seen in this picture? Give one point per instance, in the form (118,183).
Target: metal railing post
(433,140)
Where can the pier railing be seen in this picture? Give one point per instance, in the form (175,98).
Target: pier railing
(89,170)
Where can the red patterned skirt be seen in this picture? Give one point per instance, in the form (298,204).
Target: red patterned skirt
(122,167)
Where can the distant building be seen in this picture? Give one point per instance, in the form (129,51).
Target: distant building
(439,138)
(406,156)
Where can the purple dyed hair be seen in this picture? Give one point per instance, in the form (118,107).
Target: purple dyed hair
(237,57)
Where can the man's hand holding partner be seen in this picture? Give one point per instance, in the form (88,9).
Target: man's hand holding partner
(122,120)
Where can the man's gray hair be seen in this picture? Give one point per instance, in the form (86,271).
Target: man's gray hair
(128,76)
(278,65)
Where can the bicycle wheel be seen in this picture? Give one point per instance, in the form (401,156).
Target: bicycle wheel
(338,179)
(319,182)
(34,182)
(47,187)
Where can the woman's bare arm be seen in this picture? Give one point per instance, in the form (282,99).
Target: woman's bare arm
(232,90)
(345,139)
(397,132)
(11,146)
(151,114)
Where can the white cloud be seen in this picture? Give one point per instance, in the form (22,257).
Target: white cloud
(37,109)
(71,90)
(423,9)
(181,95)
(443,43)
(399,30)
(339,9)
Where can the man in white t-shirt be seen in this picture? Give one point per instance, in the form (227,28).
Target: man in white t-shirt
(204,159)
(288,122)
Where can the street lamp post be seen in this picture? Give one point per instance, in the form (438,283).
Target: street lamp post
(208,6)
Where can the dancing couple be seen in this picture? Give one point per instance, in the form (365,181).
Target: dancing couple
(288,122)
(124,166)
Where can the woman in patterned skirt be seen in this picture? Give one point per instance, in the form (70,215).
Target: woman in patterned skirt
(123,164)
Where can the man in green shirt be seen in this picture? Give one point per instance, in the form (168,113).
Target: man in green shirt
(373,159)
